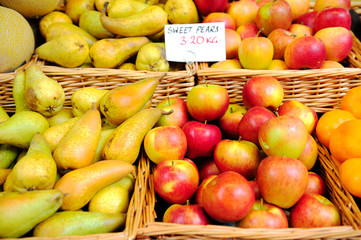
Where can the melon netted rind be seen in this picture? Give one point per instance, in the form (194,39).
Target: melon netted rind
(17,41)
(31,8)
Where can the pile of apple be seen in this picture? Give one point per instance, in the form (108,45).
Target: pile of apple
(250,165)
(282,34)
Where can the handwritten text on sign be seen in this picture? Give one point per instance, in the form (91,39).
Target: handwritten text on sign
(204,42)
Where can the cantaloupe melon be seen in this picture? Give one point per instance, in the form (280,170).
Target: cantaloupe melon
(17,41)
(31,8)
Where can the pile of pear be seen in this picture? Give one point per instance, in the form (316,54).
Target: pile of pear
(70,171)
(125,34)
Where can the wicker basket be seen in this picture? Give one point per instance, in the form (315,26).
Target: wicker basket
(320,89)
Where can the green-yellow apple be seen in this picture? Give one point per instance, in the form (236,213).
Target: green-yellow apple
(179,114)
(186,214)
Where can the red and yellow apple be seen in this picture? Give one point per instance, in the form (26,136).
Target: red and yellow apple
(299,7)
(230,120)
(307,18)
(178,117)
(233,41)
(332,17)
(243,12)
(248,30)
(227,64)
(315,184)
(277,65)
(186,214)
(198,196)
(310,153)
(228,20)
(321,4)
(300,30)
(280,38)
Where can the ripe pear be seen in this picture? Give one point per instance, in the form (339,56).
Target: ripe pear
(69,50)
(54,134)
(90,22)
(81,223)
(124,8)
(22,211)
(61,28)
(104,136)
(149,21)
(112,52)
(42,93)
(83,98)
(99,4)
(19,91)
(151,2)
(3,175)
(128,66)
(126,140)
(74,8)
(20,128)
(123,102)
(80,185)
(63,115)
(8,155)
(78,147)
(181,12)
(50,18)
(151,57)
(35,171)
(3,115)
(107,125)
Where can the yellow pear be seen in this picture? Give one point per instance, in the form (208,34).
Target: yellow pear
(81,223)
(151,2)
(151,57)
(69,50)
(63,115)
(83,98)
(78,146)
(149,21)
(35,171)
(3,175)
(128,66)
(80,185)
(99,4)
(181,12)
(19,91)
(125,8)
(157,37)
(126,140)
(123,102)
(107,125)
(90,22)
(3,115)
(50,18)
(8,155)
(112,52)
(22,211)
(74,8)
(42,93)
(104,136)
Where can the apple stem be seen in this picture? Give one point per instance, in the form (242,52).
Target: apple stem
(239,138)
(205,121)
(259,32)
(206,83)
(168,113)
(187,202)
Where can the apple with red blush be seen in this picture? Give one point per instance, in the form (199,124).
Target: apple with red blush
(228,20)
(264,215)
(248,30)
(332,17)
(243,12)
(179,114)
(310,153)
(321,4)
(229,122)
(207,167)
(300,30)
(175,181)
(233,41)
(307,19)
(198,196)
(206,7)
(280,38)
(255,188)
(315,184)
(314,211)
(192,214)
(298,7)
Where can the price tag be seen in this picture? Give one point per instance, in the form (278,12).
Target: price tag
(203,42)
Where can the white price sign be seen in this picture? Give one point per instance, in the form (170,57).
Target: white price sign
(203,42)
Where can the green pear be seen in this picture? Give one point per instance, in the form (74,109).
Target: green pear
(81,223)
(42,93)
(125,142)
(112,52)
(63,115)
(35,171)
(104,136)
(149,21)
(83,98)
(90,22)
(61,28)
(22,211)
(8,155)
(68,50)
(3,115)
(19,91)
(151,57)
(181,12)
(124,8)
(21,127)
(127,182)
(120,103)
(74,8)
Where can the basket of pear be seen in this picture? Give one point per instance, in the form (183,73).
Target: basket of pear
(73,171)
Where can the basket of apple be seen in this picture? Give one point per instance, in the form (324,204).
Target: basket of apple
(255,170)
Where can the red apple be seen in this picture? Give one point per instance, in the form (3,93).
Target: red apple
(274,14)
(206,7)
(233,41)
(310,153)
(228,20)
(300,30)
(165,143)
(198,196)
(282,180)
(255,188)
(248,30)
(175,180)
(202,138)
(178,117)
(264,215)
(207,167)
(283,136)
(207,102)
(298,7)
(305,52)
(321,4)
(264,91)
(338,42)
(229,122)
(332,17)
(255,53)
(302,111)
(307,19)
(280,38)
(240,156)
(313,211)
(315,184)
(186,214)
(243,12)
(251,122)
(228,197)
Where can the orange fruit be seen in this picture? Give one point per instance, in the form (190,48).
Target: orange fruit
(351,101)
(329,121)
(350,175)
(345,141)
